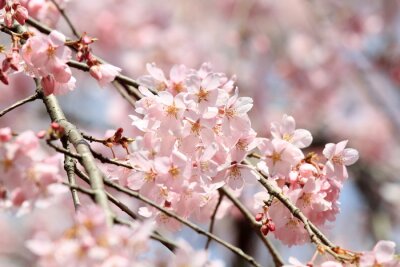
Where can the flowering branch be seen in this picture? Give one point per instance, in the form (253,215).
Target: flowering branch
(191,225)
(278,261)
(315,234)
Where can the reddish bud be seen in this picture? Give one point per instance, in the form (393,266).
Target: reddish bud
(21,14)
(264,229)
(55,126)
(41,134)
(167,204)
(3,192)
(48,84)
(3,77)
(259,216)
(2,3)
(6,64)
(271,226)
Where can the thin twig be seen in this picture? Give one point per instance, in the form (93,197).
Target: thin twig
(191,225)
(278,261)
(69,167)
(120,88)
(86,191)
(104,159)
(63,150)
(19,103)
(316,236)
(66,18)
(211,228)
(168,243)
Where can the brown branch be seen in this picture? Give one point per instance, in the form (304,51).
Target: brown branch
(211,228)
(191,225)
(69,167)
(66,18)
(104,159)
(19,103)
(82,148)
(120,88)
(62,150)
(316,236)
(278,261)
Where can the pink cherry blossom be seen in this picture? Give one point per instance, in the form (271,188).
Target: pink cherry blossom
(104,73)
(339,157)
(286,131)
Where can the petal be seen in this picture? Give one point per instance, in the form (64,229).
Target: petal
(57,38)
(301,138)
(384,251)
(350,156)
(288,124)
(329,150)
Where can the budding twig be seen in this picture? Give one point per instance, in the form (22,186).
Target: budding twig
(278,261)
(191,225)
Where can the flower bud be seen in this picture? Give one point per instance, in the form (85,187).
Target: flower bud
(259,216)
(264,229)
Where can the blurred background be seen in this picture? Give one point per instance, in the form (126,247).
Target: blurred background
(333,65)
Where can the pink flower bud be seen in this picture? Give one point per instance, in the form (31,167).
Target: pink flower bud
(8,20)
(21,14)
(55,126)
(259,216)
(271,226)
(2,3)
(48,85)
(41,134)
(5,134)
(264,229)
(17,197)
(3,77)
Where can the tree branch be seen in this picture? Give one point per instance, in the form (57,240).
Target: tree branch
(66,18)
(19,103)
(69,167)
(191,225)
(82,148)
(278,261)
(211,228)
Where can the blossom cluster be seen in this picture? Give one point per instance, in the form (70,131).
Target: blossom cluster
(383,255)
(91,242)
(313,186)
(191,138)
(29,176)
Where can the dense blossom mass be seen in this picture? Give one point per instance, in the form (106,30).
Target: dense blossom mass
(190,144)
